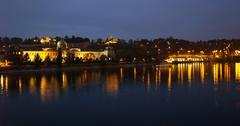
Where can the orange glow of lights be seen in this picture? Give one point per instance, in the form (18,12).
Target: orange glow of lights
(121,73)
(32,85)
(64,82)
(2,83)
(20,85)
(237,71)
(6,85)
(169,80)
(216,74)
(221,72)
(112,84)
(227,75)
(202,73)
(189,73)
(148,81)
(135,73)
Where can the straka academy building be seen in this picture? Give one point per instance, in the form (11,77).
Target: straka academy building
(62,47)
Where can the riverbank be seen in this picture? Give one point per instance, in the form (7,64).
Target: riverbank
(46,68)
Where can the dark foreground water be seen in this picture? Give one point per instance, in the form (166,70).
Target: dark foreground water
(183,94)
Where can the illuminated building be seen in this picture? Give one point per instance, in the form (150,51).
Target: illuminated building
(237,53)
(187,58)
(43,54)
(63,46)
(3,62)
(47,40)
(111,40)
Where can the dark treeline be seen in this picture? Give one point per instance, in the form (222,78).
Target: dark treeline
(142,49)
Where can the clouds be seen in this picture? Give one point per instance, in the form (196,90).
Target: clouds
(189,19)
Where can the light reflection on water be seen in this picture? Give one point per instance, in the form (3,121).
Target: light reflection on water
(49,86)
(112,83)
(118,95)
(237,71)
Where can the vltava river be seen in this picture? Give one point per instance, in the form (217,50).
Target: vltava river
(181,94)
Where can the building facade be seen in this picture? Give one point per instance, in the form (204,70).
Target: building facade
(78,53)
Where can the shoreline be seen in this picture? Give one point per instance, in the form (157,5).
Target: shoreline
(32,68)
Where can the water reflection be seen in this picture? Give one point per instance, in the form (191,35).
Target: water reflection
(20,85)
(216,74)
(221,72)
(143,72)
(4,85)
(135,72)
(48,88)
(227,73)
(112,84)
(189,69)
(121,73)
(64,82)
(148,81)
(202,73)
(169,80)
(52,85)
(181,71)
(32,85)
(158,77)
(237,71)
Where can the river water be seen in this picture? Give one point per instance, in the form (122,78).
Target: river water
(181,94)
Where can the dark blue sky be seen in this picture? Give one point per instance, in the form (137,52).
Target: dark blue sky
(187,19)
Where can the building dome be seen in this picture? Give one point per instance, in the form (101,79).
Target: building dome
(61,45)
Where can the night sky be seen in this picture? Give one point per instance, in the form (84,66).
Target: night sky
(186,19)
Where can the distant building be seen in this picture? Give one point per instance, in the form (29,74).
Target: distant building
(111,40)
(47,40)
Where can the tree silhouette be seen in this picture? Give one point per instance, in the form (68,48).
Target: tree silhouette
(37,60)
(59,57)
(47,60)
(70,58)
(78,60)
(26,59)
(103,58)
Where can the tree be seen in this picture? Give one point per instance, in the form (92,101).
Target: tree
(16,40)
(103,58)
(37,60)
(13,55)
(78,60)
(70,58)
(16,59)
(26,59)
(97,60)
(47,60)
(59,57)
(90,60)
